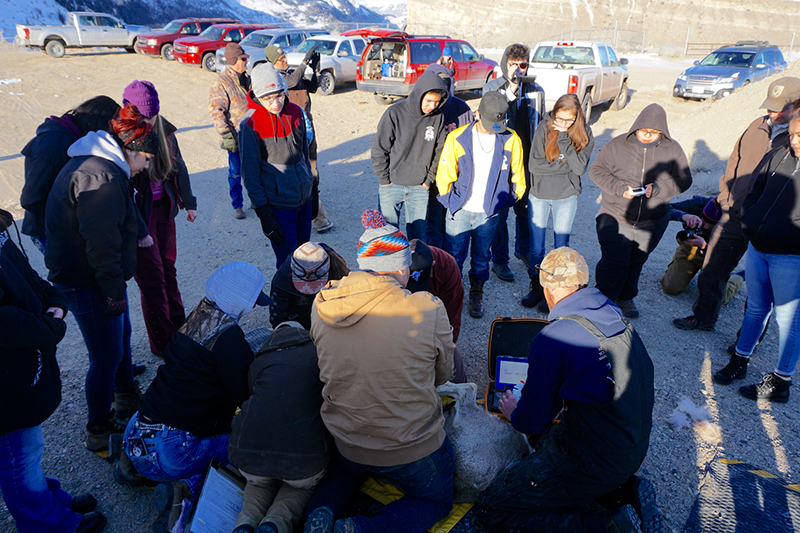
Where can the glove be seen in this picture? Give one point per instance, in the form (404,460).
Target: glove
(313,62)
(229,142)
(309,55)
(269,225)
(314,201)
(115,307)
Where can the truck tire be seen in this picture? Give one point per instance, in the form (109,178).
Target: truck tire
(130,49)
(210,62)
(327,83)
(586,105)
(55,48)
(166,52)
(622,98)
(383,100)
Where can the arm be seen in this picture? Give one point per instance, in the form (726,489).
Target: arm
(447,171)
(382,147)
(577,161)
(679,180)
(182,178)
(443,344)
(540,401)
(23,329)
(279,308)
(517,166)
(602,172)
(45,164)
(760,183)
(250,152)
(441,137)
(295,77)
(219,108)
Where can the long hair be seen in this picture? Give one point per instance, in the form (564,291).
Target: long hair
(339,268)
(163,163)
(576,132)
(94,114)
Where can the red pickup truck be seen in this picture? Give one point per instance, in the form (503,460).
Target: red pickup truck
(201,50)
(159,43)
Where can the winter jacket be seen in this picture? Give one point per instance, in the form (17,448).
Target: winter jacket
(300,87)
(91,219)
(287,302)
(454,177)
(227,101)
(204,376)
(625,161)
(30,383)
(771,218)
(561,178)
(408,143)
(274,150)
(45,155)
(741,171)
(445,283)
(279,432)
(382,352)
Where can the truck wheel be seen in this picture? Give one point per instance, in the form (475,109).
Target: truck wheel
(210,62)
(383,100)
(586,105)
(55,49)
(130,49)
(326,82)
(622,98)
(166,52)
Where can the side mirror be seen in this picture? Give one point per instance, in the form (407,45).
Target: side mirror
(481,57)
(343,53)
(623,61)
(695,62)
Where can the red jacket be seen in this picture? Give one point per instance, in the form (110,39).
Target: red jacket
(446,284)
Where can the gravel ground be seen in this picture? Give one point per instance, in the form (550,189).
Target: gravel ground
(762,434)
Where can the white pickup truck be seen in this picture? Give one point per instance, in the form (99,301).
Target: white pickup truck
(82,30)
(588,69)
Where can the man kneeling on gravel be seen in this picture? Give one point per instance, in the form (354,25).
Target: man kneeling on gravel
(590,369)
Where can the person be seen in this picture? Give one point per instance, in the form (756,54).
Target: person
(590,369)
(160,194)
(456,113)
(299,93)
(526,110)
(299,279)
(282,452)
(770,222)
(382,352)
(449,64)
(275,164)
(559,156)
(184,417)
(639,174)
(227,104)
(91,229)
(32,313)
(46,154)
(480,172)
(406,150)
(728,242)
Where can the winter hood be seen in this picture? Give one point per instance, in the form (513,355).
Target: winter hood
(100,144)
(593,304)
(652,117)
(438,69)
(347,301)
(429,81)
(285,337)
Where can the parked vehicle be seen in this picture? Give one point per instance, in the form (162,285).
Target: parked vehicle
(726,69)
(255,43)
(590,70)
(158,43)
(201,50)
(82,30)
(393,62)
(338,57)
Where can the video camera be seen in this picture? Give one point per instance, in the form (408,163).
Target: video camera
(687,233)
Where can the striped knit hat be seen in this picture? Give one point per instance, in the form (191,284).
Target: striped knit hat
(382,247)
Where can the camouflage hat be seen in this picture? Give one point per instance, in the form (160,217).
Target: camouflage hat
(563,267)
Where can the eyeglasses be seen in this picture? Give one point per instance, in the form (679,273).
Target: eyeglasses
(564,121)
(244,59)
(273,98)
(649,132)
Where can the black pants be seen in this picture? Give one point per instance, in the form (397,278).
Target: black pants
(624,251)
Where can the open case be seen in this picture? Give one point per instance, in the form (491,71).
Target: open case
(509,345)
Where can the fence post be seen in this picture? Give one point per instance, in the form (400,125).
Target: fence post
(686,48)
(615,34)
(791,47)
(644,33)
(572,31)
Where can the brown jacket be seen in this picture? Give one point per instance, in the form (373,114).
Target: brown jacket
(382,352)
(227,101)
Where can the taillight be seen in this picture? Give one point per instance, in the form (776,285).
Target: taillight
(572,86)
(27,33)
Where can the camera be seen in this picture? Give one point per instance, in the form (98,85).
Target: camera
(687,233)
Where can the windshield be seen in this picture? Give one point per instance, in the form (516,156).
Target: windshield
(728,59)
(567,55)
(213,33)
(257,40)
(324,46)
(172,27)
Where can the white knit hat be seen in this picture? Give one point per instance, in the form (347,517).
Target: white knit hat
(382,247)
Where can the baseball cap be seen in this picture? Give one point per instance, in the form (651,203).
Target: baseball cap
(493,109)
(781,93)
(563,267)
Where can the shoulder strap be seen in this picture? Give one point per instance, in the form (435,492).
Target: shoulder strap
(589,325)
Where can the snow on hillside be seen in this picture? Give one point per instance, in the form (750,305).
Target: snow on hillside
(29,12)
(396,11)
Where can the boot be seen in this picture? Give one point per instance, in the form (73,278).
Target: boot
(735,369)
(475,297)
(126,403)
(535,296)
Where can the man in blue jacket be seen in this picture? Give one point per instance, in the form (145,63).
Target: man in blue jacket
(590,370)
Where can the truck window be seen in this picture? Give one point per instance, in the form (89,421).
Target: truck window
(87,21)
(346,47)
(70,20)
(612,57)
(603,56)
(233,36)
(204,26)
(425,51)
(455,51)
(282,41)
(567,55)
(469,53)
(108,22)
(190,29)
(359,45)
(295,39)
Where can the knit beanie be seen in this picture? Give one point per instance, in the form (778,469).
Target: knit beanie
(236,287)
(266,80)
(711,212)
(273,53)
(144,96)
(382,247)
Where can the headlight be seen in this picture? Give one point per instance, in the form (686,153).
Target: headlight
(192,49)
(730,79)
(683,77)
(152,42)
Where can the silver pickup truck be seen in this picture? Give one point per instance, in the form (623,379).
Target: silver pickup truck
(82,30)
(588,69)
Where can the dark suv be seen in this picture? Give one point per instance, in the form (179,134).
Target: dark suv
(159,42)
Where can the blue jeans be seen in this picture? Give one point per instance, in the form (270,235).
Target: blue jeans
(427,484)
(296,227)
(37,503)
(171,454)
(773,283)
(108,341)
(392,198)
(563,216)
(235,179)
(522,239)
(482,229)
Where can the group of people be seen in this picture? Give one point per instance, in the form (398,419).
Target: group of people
(345,386)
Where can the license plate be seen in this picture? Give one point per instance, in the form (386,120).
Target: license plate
(698,90)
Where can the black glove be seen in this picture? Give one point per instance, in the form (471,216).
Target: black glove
(269,224)
(115,307)
(315,201)
(313,62)
(309,55)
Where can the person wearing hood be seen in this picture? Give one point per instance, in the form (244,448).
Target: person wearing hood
(91,227)
(184,417)
(275,162)
(406,150)
(382,352)
(639,174)
(46,154)
(590,370)
(32,313)
(526,110)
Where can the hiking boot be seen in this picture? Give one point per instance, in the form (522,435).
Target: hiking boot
(92,522)
(238,213)
(168,499)
(125,473)
(82,503)
(97,434)
(628,308)
(772,388)
(691,323)
(625,520)
(525,259)
(645,505)
(320,520)
(126,403)
(503,272)
(735,369)
(475,297)
(535,295)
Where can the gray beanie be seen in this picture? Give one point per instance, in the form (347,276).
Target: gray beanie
(382,247)
(266,80)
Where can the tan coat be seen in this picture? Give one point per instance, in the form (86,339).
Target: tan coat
(227,101)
